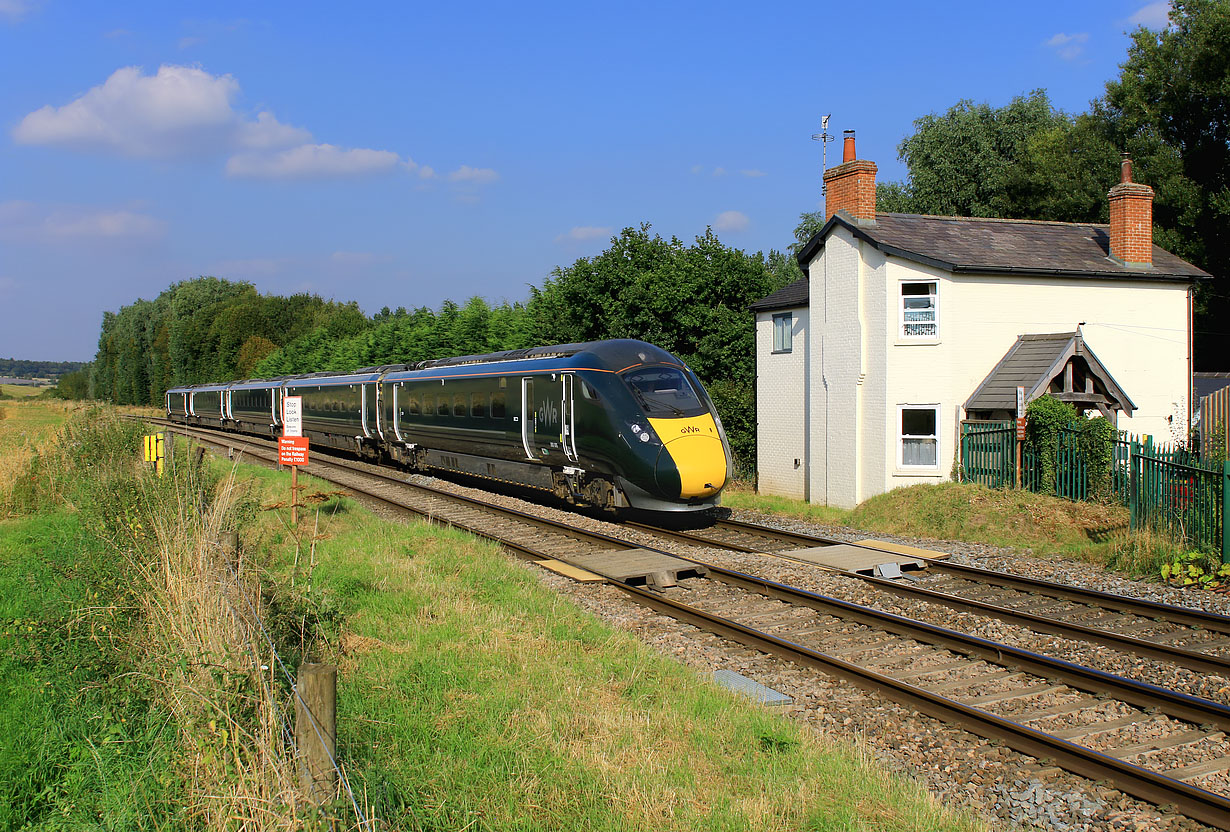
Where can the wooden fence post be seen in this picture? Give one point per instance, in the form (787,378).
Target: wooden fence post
(317,697)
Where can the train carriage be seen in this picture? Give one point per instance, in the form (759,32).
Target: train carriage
(615,424)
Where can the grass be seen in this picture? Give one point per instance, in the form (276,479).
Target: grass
(1029,523)
(20,391)
(472,697)
(26,426)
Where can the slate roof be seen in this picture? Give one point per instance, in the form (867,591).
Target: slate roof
(1031,363)
(796,294)
(980,245)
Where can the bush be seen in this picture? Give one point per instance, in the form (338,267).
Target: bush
(1046,415)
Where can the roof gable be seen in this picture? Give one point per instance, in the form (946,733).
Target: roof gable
(1033,362)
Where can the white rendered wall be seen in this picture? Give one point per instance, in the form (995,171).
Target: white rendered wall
(1137,329)
(781,408)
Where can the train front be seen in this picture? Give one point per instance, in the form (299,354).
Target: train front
(682,433)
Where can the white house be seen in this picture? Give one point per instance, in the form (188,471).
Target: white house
(907,324)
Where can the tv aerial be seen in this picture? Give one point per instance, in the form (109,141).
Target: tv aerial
(824,138)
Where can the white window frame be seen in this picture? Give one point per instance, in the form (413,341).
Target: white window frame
(788,317)
(901,321)
(901,437)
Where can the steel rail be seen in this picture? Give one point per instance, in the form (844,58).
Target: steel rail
(1196,660)
(1191,659)
(1137,606)
(1192,801)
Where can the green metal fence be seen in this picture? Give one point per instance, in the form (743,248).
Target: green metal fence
(988,453)
(1184,501)
(1164,485)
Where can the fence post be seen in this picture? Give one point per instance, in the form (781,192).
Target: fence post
(316,738)
(1225,512)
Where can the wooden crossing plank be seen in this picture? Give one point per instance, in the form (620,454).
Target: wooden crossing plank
(569,571)
(902,549)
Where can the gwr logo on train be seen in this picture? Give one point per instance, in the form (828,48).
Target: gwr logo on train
(548,414)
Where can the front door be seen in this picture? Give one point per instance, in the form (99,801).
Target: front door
(546,417)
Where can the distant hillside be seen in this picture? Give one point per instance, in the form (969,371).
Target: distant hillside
(21,368)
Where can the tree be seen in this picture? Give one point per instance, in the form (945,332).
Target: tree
(1170,107)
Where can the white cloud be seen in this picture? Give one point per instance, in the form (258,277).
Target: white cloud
(178,111)
(189,42)
(752,172)
(584,233)
(475,176)
(14,9)
(1068,47)
(427,172)
(1153,16)
(183,111)
(697,169)
(732,221)
(29,221)
(719,171)
(311,161)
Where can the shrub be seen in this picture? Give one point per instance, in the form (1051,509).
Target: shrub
(1046,415)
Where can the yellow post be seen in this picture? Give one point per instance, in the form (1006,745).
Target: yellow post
(159,453)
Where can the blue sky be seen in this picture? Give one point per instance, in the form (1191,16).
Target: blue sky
(401,154)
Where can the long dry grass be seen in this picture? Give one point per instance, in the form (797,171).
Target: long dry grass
(224,689)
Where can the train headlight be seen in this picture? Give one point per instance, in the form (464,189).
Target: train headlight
(643,432)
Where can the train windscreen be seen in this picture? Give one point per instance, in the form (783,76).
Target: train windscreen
(664,391)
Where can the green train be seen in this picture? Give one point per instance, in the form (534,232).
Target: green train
(615,424)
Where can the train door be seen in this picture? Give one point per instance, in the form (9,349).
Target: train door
(547,416)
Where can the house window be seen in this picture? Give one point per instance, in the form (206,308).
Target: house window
(920,311)
(918,446)
(782,327)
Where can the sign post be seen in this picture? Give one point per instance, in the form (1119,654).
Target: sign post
(155,451)
(293,448)
(1020,431)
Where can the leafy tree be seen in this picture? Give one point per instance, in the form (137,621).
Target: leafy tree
(1170,107)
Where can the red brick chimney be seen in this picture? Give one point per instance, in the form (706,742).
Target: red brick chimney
(851,186)
(1131,220)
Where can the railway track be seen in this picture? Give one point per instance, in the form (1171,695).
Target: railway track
(1189,638)
(1159,745)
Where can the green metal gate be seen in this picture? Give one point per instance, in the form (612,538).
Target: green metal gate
(988,453)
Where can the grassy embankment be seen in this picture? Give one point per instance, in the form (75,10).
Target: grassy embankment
(469,696)
(1031,523)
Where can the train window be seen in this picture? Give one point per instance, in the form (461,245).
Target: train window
(441,405)
(664,391)
(412,406)
(497,405)
(587,390)
(459,404)
(503,383)
(478,405)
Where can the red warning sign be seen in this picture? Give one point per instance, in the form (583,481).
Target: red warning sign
(293,450)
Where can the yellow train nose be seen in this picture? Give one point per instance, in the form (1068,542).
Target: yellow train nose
(695,450)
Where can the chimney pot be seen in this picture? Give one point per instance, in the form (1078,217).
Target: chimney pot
(1125,169)
(847,150)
